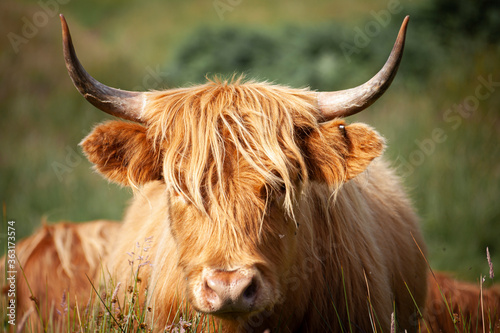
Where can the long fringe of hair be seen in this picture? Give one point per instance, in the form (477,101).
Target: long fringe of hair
(258,121)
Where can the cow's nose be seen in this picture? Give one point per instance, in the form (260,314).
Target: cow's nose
(232,291)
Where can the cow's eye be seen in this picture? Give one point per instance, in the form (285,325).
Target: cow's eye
(342,130)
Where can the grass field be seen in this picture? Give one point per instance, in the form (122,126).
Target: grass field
(448,155)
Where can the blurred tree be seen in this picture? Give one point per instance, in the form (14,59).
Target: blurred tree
(469,18)
(298,56)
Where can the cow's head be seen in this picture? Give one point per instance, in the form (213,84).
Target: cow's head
(235,158)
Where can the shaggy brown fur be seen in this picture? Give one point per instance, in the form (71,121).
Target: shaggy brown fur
(455,306)
(121,152)
(57,260)
(462,299)
(233,175)
(252,179)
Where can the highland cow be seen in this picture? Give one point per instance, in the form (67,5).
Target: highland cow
(264,209)
(457,306)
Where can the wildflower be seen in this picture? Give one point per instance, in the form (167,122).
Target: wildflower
(114,299)
(115,292)
(184,324)
(179,327)
(147,243)
(145,263)
(64,305)
(488,257)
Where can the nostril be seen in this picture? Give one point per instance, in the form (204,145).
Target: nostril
(209,289)
(231,291)
(250,292)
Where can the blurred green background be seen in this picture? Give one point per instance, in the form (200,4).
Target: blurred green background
(440,117)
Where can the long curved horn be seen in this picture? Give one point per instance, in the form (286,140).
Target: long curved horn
(347,102)
(120,103)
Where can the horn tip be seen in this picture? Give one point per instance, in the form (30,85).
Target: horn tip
(405,23)
(64,25)
(402,32)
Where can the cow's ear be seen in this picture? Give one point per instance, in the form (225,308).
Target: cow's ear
(123,153)
(337,152)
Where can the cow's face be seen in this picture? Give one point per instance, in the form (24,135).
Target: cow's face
(233,262)
(233,177)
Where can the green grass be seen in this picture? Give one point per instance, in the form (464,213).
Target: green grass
(455,188)
(114,307)
(109,308)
